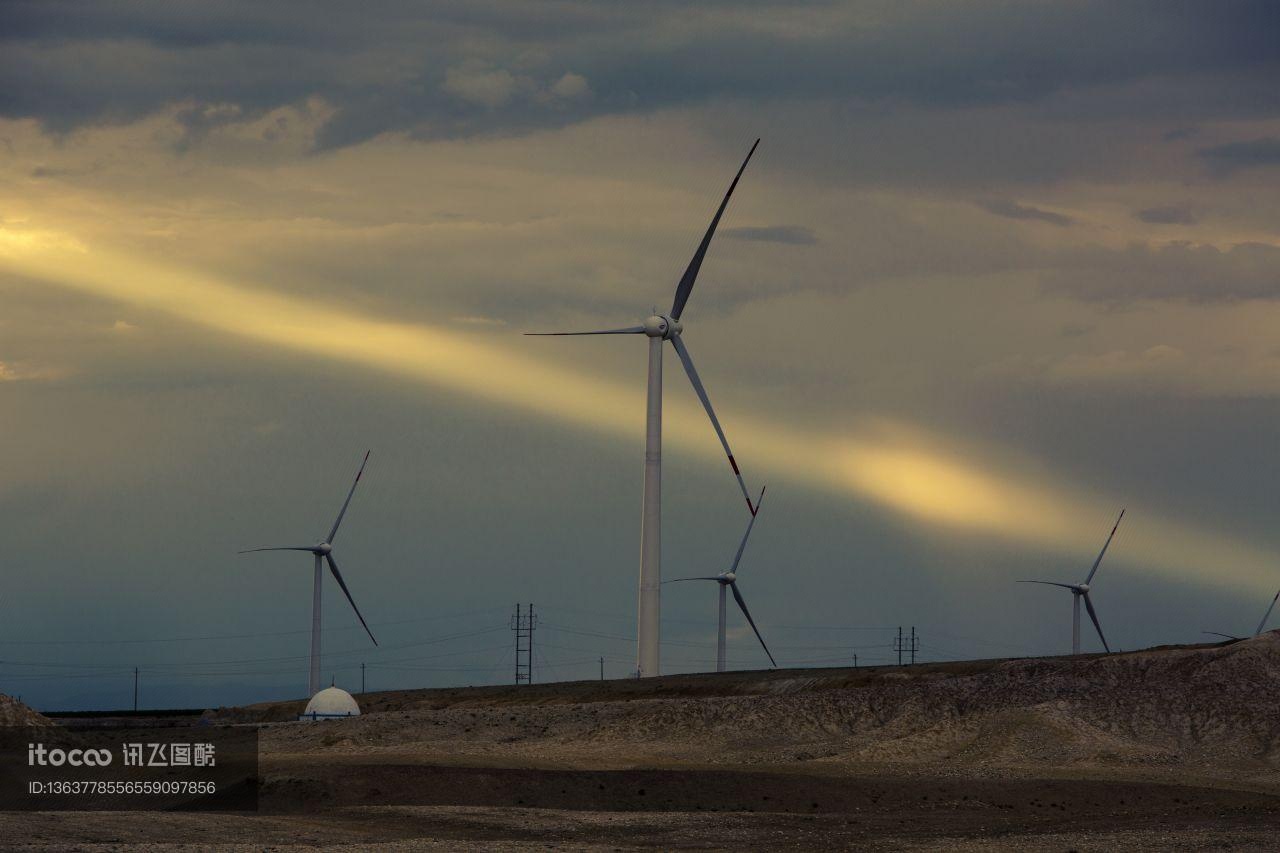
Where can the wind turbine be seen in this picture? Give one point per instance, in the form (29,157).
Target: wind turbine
(323,551)
(729,580)
(1081,590)
(659,328)
(1261,625)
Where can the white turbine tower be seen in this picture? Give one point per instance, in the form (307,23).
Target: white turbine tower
(659,328)
(729,580)
(1081,590)
(323,551)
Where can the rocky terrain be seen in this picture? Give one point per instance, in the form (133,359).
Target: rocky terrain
(1175,747)
(14,713)
(1212,709)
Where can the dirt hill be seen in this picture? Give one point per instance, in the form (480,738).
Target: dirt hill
(14,713)
(1209,708)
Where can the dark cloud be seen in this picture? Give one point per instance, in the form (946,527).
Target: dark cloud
(1013,210)
(1180,133)
(795,235)
(70,63)
(1170,214)
(1233,156)
(181,25)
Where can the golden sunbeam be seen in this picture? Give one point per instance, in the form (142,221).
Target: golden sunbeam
(893,466)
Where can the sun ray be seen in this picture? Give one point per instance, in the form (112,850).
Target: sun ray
(904,470)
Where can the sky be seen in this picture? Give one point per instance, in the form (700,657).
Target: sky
(996,271)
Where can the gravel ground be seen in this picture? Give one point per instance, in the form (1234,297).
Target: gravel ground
(1175,748)
(1199,710)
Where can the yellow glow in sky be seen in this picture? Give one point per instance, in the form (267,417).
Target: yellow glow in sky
(890,466)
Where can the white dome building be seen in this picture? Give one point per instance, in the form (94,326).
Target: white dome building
(332,703)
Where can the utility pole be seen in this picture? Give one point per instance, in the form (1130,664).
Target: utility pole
(135,688)
(855,660)
(602,668)
(361,679)
(907,644)
(523,624)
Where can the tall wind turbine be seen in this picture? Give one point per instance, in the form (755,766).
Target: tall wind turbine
(729,580)
(659,328)
(1081,590)
(323,551)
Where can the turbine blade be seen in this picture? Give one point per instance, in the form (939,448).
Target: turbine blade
(1094,616)
(678,580)
(630,330)
(1051,583)
(311,548)
(1094,570)
(691,272)
(742,546)
(685,359)
(1266,615)
(347,502)
(1220,634)
(742,605)
(337,575)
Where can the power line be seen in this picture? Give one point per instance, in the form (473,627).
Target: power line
(619,617)
(236,667)
(103,642)
(343,653)
(170,674)
(266,667)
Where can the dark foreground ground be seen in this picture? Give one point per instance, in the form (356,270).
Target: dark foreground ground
(451,808)
(1166,749)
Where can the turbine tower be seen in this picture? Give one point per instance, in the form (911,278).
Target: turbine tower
(1081,590)
(729,580)
(659,328)
(323,551)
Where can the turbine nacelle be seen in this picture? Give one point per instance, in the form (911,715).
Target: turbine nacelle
(662,326)
(1080,589)
(323,548)
(727,577)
